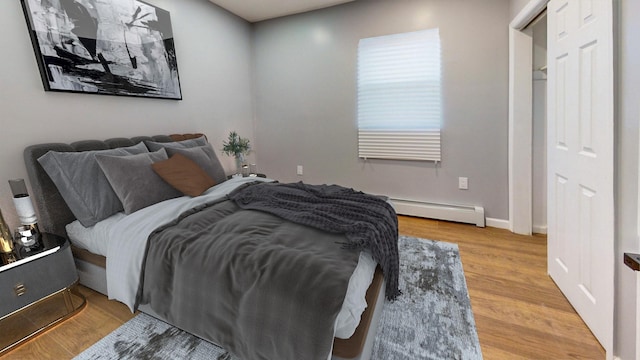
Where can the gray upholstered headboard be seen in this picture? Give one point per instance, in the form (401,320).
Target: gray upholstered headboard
(53,212)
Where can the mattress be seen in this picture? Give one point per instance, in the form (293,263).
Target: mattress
(111,234)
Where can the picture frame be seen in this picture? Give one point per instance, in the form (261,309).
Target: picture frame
(115,47)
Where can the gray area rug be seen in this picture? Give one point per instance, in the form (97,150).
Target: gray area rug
(432,319)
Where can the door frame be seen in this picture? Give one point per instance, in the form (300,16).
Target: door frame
(521,118)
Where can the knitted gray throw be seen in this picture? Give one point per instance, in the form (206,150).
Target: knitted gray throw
(369,222)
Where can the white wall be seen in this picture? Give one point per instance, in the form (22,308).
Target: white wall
(305,87)
(213,50)
(627,142)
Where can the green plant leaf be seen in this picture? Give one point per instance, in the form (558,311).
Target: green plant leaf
(235,145)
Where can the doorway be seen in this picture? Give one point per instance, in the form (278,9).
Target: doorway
(539,126)
(579,150)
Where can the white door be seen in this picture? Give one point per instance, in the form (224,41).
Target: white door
(580,159)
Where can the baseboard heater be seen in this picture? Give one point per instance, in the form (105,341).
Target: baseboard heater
(457,213)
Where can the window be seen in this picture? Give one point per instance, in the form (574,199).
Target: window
(399,97)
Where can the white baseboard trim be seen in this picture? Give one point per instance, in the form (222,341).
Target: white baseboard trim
(539,229)
(498,223)
(449,212)
(504,224)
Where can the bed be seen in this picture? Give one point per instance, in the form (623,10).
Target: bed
(99,250)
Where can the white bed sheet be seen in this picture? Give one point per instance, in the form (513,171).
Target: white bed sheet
(122,239)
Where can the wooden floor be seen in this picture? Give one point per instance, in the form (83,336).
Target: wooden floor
(519,312)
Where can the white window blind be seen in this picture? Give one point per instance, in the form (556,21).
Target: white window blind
(399,100)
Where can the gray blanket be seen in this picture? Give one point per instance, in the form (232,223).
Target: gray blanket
(251,282)
(369,222)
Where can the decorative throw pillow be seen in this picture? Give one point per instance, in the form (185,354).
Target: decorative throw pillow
(82,183)
(135,182)
(155,146)
(184,174)
(205,157)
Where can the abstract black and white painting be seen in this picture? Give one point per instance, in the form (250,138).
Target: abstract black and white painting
(114,47)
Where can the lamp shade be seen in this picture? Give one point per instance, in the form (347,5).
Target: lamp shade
(22,202)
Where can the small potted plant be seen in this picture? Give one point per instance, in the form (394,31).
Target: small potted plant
(238,147)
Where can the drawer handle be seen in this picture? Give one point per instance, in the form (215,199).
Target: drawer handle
(20,289)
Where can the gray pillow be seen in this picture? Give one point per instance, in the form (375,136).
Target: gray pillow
(205,157)
(82,184)
(155,146)
(134,181)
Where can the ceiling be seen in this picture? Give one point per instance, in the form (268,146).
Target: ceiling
(257,10)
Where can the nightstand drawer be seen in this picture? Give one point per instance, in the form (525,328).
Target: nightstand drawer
(31,281)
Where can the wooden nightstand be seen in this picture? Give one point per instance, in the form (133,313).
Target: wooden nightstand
(37,291)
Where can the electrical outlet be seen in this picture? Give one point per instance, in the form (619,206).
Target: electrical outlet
(463,183)
(299,170)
